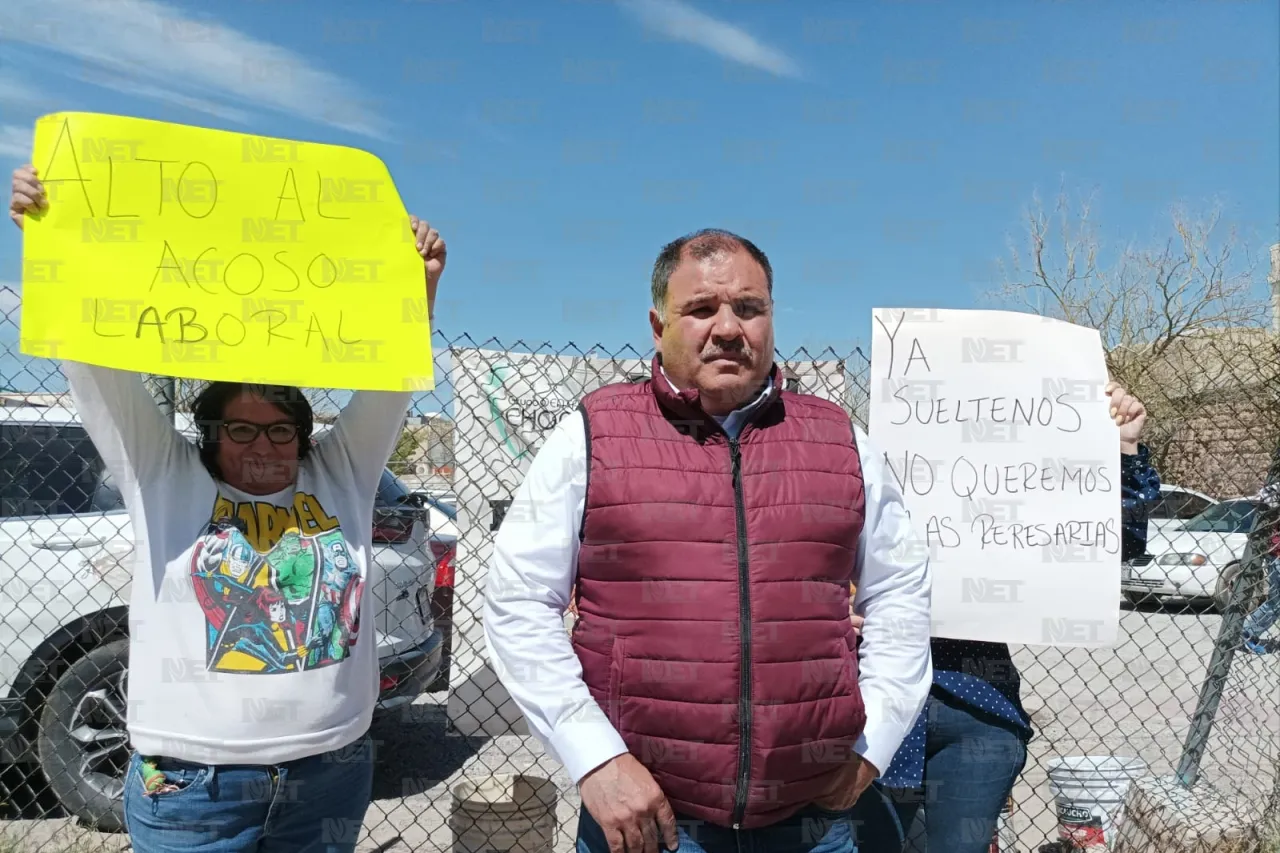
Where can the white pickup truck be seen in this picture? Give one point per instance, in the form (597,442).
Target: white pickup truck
(66,550)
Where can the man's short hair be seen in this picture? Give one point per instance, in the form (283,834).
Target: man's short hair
(701,245)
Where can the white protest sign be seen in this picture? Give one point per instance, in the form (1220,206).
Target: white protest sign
(997,427)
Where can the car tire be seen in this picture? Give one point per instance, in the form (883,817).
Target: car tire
(1137,598)
(1222,592)
(83,744)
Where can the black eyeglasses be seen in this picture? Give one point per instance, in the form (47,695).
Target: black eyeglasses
(245,432)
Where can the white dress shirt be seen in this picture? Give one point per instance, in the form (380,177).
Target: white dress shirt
(535,559)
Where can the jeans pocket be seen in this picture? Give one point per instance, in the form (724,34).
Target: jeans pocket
(175,777)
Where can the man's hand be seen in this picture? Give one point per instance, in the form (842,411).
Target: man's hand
(857,620)
(28,194)
(1129,415)
(854,778)
(629,806)
(431,247)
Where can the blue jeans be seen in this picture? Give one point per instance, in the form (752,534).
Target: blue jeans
(971,763)
(811,830)
(1267,613)
(312,805)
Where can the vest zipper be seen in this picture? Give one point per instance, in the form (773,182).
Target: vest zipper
(744,626)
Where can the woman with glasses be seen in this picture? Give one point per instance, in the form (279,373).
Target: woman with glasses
(250,699)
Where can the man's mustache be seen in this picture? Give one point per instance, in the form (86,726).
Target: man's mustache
(742,354)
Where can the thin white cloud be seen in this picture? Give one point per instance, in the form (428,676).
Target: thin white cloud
(16,92)
(150,49)
(15,142)
(678,20)
(140,89)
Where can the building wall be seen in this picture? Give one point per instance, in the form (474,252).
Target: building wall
(1226,450)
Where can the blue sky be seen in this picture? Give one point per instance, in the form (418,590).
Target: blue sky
(881,152)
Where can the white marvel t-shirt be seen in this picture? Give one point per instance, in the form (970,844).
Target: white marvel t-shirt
(251,634)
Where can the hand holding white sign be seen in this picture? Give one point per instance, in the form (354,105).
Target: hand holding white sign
(1129,414)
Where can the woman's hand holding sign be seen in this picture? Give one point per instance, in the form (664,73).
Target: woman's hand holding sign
(28,194)
(432,248)
(1129,415)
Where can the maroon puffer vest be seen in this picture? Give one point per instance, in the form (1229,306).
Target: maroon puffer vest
(713,595)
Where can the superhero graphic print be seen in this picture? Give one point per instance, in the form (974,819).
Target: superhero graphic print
(279,589)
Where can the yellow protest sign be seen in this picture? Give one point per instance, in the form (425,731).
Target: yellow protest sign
(207,254)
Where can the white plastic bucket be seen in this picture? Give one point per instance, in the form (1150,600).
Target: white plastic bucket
(1089,791)
(504,813)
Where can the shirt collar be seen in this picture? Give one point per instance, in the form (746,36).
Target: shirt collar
(739,413)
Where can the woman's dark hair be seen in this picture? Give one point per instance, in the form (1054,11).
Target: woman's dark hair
(211,405)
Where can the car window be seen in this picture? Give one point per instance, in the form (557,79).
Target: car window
(1160,509)
(1169,505)
(47,469)
(1192,506)
(1179,505)
(106,496)
(391,492)
(1225,517)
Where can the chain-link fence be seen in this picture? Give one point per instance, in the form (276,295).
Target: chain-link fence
(1179,690)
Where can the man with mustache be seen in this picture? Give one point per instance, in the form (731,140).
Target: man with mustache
(713,694)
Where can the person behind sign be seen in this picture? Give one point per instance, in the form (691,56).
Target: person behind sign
(1268,611)
(250,698)
(969,745)
(711,695)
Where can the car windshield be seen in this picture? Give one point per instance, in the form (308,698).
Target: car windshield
(1226,517)
(391,492)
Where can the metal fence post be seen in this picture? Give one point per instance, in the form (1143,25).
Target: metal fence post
(1230,634)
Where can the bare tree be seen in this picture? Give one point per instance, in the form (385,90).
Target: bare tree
(1200,278)
(1183,317)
